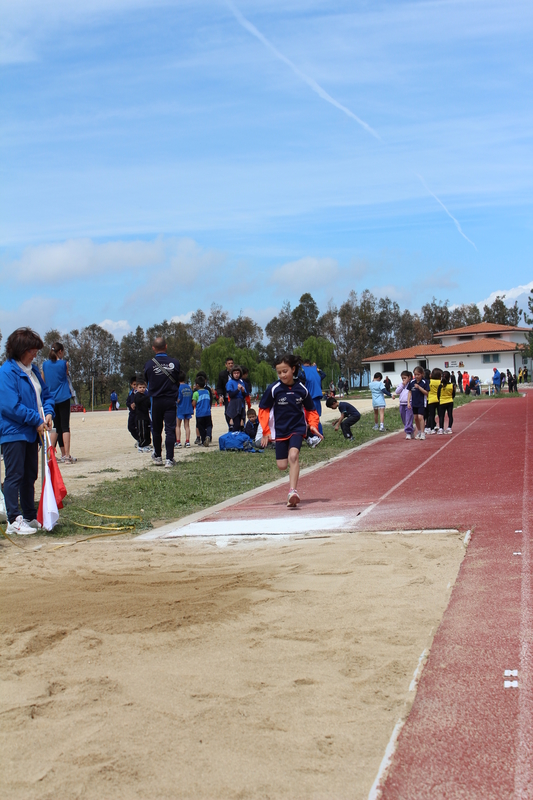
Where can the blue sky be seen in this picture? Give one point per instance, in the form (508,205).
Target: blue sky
(158,156)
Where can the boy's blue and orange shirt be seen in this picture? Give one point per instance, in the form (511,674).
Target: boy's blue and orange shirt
(285,410)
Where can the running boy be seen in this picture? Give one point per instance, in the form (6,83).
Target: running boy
(406,413)
(201,401)
(418,390)
(378,390)
(283,410)
(349,416)
(185,411)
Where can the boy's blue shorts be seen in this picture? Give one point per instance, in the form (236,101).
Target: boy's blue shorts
(283,447)
(184,416)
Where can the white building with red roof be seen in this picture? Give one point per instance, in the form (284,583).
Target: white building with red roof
(474,348)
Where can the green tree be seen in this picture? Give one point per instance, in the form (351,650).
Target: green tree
(435,317)
(318,350)
(180,344)
(500,314)
(135,350)
(466,314)
(244,331)
(280,331)
(528,317)
(305,319)
(93,353)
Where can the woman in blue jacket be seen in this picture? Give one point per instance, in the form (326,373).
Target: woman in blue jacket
(55,372)
(26,410)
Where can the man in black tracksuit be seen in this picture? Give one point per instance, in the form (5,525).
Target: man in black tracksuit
(163,387)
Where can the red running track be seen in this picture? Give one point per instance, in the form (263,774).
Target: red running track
(466,736)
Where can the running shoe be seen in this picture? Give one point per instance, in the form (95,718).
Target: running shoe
(449,430)
(68,460)
(375,428)
(382,429)
(349,438)
(21,527)
(293,499)
(197,440)
(178,444)
(408,436)
(158,461)
(312,441)
(432,431)
(207,441)
(422,436)
(419,435)
(187,444)
(170,463)
(440,431)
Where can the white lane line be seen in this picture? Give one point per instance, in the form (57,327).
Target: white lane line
(523,785)
(289,524)
(468,536)
(418,671)
(377,786)
(420,466)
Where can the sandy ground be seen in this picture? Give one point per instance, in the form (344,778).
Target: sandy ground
(104,448)
(179,669)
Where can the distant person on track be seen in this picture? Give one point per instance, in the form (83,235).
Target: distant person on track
(26,412)
(406,413)
(418,390)
(349,416)
(161,374)
(378,391)
(446,395)
(55,373)
(285,412)
(433,400)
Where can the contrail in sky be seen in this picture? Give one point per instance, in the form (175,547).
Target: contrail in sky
(309,81)
(446,210)
(247,25)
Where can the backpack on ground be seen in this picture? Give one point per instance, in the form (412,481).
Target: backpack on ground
(236,441)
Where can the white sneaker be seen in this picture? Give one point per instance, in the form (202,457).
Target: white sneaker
(170,462)
(440,431)
(408,436)
(418,435)
(422,436)
(381,428)
(449,430)
(34,523)
(21,527)
(376,428)
(312,441)
(158,461)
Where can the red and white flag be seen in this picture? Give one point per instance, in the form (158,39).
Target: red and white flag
(47,513)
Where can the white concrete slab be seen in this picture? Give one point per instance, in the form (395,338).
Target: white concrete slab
(287,525)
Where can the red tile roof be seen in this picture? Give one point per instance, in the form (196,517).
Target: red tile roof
(481,327)
(424,350)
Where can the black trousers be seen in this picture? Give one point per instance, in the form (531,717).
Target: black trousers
(132,425)
(432,410)
(143,432)
(21,462)
(205,426)
(447,407)
(347,422)
(164,412)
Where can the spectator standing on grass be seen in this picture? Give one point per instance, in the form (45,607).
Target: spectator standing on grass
(130,405)
(235,391)
(223,377)
(460,380)
(185,411)
(162,377)
(466,380)
(26,412)
(313,383)
(510,381)
(496,379)
(201,401)
(388,383)
(378,391)
(55,373)
(349,416)
(525,374)
(453,379)
(503,379)
(142,417)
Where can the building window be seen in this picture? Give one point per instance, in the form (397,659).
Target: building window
(491,358)
(388,366)
(422,363)
(494,336)
(465,338)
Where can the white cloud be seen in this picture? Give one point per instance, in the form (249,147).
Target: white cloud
(519,294)
(118,328)
(185,318)
(35,312)
(305,274)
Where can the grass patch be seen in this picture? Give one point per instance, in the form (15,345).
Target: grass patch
(162,494)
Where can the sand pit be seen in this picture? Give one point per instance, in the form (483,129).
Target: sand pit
(178,669)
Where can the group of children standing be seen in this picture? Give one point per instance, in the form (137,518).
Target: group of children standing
(426,401)
(191,400)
